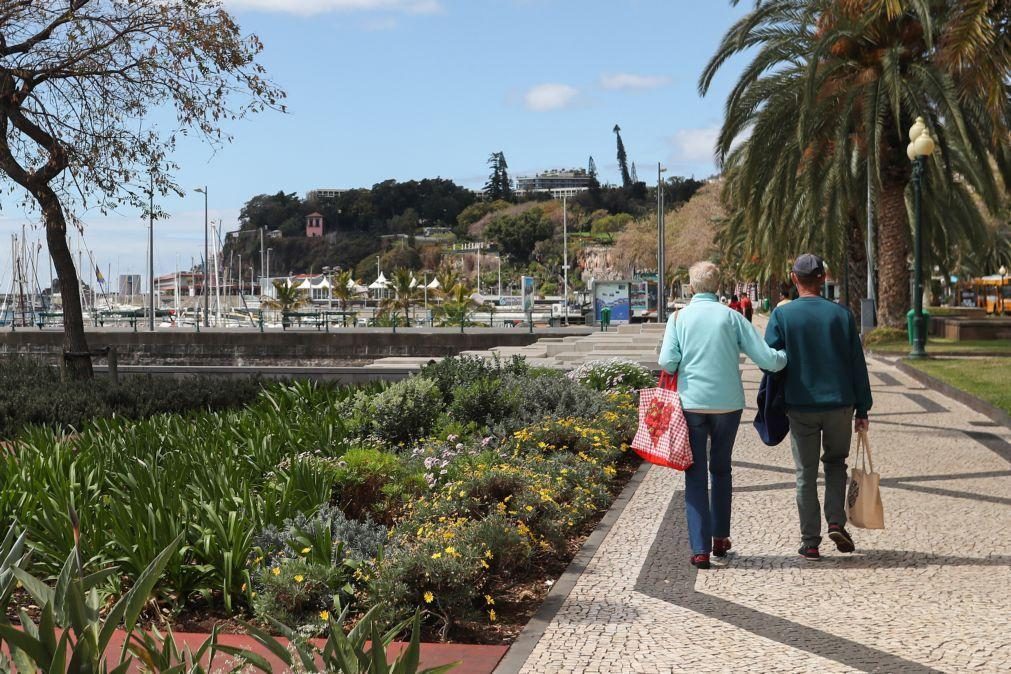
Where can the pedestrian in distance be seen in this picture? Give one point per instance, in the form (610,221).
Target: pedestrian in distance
(702,345)
(784,297)
(827,389)
(735,304)
(747,308)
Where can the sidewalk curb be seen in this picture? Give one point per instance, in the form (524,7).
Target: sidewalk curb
(967,399)
(514,659)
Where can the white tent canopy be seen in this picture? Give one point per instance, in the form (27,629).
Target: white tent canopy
(434,285)
(380,283)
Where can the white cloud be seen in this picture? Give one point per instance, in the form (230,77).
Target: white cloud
(545,97)
(696,145)
(632,82)
(310,7)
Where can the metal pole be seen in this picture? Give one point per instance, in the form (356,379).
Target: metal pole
(207,264)
(661,275)
(150,251)
(478,267)
(919,338)
(565,257)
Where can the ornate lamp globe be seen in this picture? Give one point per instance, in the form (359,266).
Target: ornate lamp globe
(924,144)
(916,129)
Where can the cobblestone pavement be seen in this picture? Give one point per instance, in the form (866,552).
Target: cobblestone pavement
(932,592)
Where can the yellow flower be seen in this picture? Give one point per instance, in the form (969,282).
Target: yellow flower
(530,508)
(253,595)
(436,555)
(489,600)
(324,615)
(429,597)
(299,578)
(487,554)
(305,551)
(491,615)
(484,564)
(276,570)
(243,587)
(451,551)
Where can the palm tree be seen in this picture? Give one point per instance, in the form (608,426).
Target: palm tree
(405,293)
(342,289)
(832,87)
(287,298)
(458,306)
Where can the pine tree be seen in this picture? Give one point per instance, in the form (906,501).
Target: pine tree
(498,186)
(626,179)
(592,169)
(505,183)
(493,188)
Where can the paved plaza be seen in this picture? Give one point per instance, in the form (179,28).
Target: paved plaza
(932,592)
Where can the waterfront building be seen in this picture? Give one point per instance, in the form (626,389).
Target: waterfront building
(557,183)
(324,194)
(314,226)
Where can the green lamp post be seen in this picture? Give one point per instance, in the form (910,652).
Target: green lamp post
(921,146)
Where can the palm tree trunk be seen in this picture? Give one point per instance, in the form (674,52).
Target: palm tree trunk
(857,259)
(894,246)
(77,358)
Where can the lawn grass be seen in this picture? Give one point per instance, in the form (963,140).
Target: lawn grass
(986,378)
(941,345)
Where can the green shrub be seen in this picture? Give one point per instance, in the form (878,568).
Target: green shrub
(487,400)
(884,334)
(614,374)
(296,591)
(551,394)
(406,410)
(449,373)
(371,483)
(32,393)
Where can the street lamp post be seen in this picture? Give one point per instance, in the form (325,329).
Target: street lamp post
(565,258)
(661,249)
(207,302)
(150,252)
(920,147)
(1000,293)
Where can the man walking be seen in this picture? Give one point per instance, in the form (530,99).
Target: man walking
(826,387)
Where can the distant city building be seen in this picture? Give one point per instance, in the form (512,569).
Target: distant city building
(129,284)
(558,183)
(324,194)
(314,225)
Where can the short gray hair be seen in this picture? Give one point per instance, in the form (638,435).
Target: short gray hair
(704,277)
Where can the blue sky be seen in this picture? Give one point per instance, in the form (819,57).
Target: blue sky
(408,89)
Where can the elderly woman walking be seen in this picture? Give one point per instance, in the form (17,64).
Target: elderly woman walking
(702,344)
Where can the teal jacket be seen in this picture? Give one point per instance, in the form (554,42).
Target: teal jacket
(827,367)
(703,344)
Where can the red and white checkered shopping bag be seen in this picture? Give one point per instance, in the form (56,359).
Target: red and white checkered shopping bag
(662,436)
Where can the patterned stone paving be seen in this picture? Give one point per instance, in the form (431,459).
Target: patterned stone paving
(932,592)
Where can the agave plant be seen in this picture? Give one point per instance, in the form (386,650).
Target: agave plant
(72,635)
(362,650)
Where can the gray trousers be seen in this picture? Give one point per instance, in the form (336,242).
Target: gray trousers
(825,435)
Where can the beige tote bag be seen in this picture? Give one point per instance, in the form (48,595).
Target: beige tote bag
(863,497)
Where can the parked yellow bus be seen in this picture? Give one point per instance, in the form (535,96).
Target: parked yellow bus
(993,293)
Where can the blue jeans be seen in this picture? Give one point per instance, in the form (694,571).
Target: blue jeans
(709,516)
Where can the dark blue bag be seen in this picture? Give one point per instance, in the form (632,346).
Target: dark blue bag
(771,421)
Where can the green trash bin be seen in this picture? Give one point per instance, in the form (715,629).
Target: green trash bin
(765,304)
(909,324)
(605,318)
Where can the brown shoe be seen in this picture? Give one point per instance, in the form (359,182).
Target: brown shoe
(721,546)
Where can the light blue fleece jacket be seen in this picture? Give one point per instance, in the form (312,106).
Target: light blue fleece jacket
(703,343)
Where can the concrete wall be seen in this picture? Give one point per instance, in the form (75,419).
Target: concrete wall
(294,348)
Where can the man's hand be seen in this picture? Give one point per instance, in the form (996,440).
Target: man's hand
(861,425)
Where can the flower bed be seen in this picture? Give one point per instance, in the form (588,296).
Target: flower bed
(458,491)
